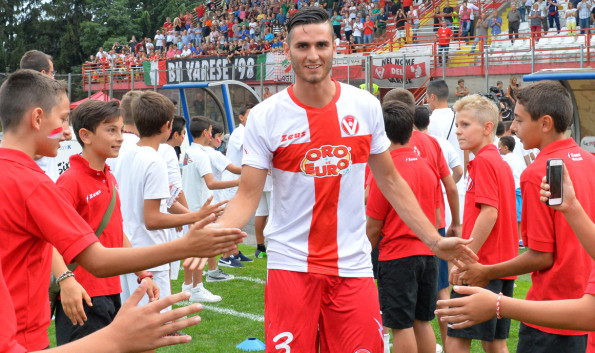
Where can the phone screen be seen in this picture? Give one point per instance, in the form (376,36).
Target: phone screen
(555,181)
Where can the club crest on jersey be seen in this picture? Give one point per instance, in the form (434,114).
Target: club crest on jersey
(350,125)
(327,161)
(469,184)
(362,350)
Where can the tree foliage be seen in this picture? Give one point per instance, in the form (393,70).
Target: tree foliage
(71,30)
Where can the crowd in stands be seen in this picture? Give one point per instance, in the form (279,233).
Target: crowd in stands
(247,27)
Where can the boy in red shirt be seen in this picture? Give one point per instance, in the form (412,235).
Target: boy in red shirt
(33,108)
(560,266)
(88,185)
(407,268)
(489,214)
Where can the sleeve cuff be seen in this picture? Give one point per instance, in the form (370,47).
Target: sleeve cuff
(78,246)
(256,161)
(486,201)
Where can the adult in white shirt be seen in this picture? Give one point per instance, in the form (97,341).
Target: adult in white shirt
(159,40)
(100,54)
(442,124)
(358,30)
(506,145)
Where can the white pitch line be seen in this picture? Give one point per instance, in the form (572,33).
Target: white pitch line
(255,280)
(232,312)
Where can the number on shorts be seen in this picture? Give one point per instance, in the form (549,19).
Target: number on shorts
(285,344)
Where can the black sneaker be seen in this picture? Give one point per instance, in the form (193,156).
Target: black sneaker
(243,258)
(230,261)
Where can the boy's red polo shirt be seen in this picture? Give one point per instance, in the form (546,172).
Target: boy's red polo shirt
(491,183)
(591,290)
(8,322)
(546,230)
(399,240)
(33,216)
(429,148)
(90,192)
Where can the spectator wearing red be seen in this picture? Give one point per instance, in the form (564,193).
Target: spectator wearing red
(368,30)
(535,17)
(444,35)
(167,25)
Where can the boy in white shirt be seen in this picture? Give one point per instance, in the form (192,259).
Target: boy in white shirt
(506,145)
(144,188)
(197,180)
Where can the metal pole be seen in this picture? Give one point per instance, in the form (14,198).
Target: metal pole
(70,86)
(532,59)
(262,74)
(132,80)
(155,79)
(89,85)
(233,72)
(111,84)
(487,61)
(582,57)
(404,71)
(348,64)
(443,65)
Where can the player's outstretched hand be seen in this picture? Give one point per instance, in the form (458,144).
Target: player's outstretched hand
(477,307)
(207,209)
(472,274)
(207,240)
(568,195)
(193,263)
(141,328)
(451,248)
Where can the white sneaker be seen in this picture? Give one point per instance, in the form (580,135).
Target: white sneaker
(202,295)
(186,287)
(438,348)
(218,276)
(386,343)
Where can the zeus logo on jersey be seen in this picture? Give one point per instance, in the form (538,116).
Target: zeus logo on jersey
(292,136)
(327,161)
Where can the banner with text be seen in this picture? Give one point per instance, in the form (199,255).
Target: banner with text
(213,68)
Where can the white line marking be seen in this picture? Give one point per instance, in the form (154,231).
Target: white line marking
(251,279)
(232,312)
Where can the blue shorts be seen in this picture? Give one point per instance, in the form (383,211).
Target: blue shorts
(442,268)
(519,204)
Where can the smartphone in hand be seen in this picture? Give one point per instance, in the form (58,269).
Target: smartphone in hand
(555,169)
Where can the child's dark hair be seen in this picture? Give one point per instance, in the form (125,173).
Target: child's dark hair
(398,121)
(508,141)
(25,90)
(177,125)
(439,88)
(500,129)
(36,60)
(547,98)
(91,113)
(217,128)
(129,101)
(151,111)
(244,108)
(306,16)
(198,124)
(421,119)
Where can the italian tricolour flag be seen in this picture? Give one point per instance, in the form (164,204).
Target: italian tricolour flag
(155,72)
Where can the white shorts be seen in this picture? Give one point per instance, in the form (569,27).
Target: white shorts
(175,266)
(129,284)
(264,204)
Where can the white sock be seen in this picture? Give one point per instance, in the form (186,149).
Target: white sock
(386,343)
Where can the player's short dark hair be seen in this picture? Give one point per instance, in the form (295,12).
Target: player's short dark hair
(439,88)
(91,113)
(36,60)
(500,129)
(508,141)
(178,125)
(198,124)
(507,125)
(244,108)
(547,98)
(421,118)
(151,111)
(217,128)
(398,121)
(401,95)
(128,101)
(25,90)
(305,16)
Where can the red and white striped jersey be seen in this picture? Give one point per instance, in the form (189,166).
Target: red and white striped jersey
(317,220)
